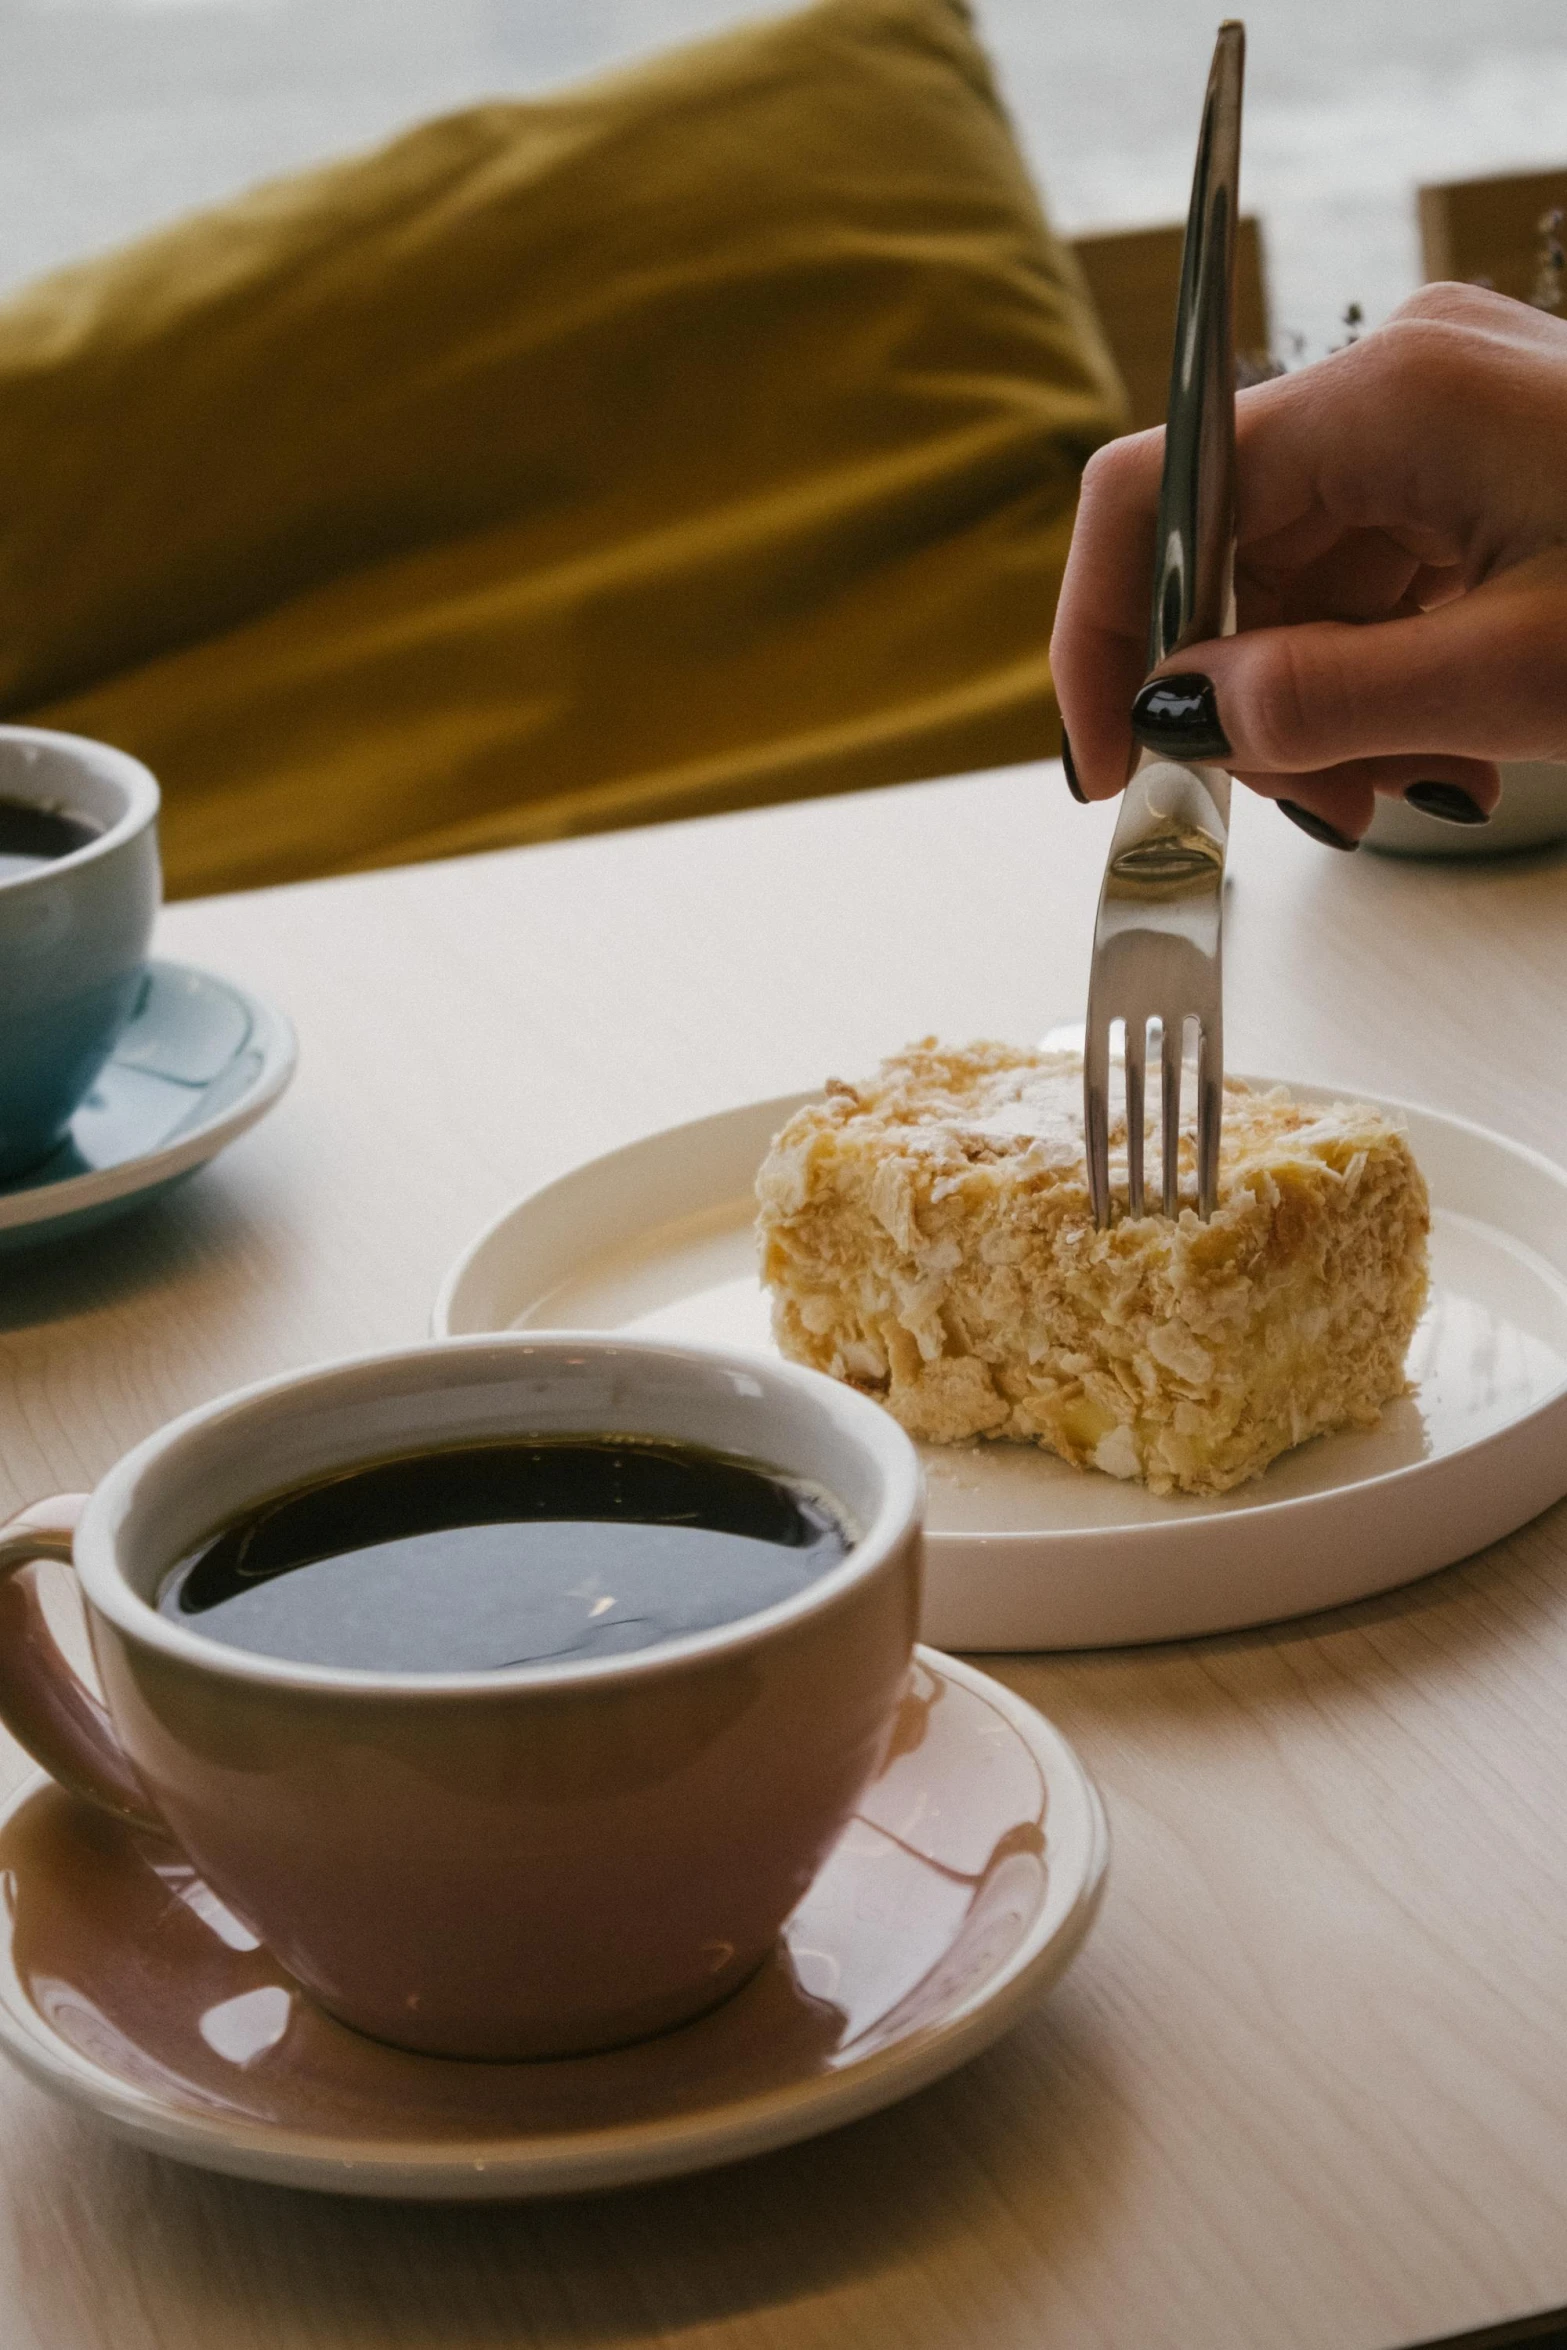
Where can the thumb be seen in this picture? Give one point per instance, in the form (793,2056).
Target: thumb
(1482,677)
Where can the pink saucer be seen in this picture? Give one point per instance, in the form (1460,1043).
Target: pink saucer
(959,1891)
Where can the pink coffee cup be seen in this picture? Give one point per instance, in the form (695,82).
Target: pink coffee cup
(527,1862)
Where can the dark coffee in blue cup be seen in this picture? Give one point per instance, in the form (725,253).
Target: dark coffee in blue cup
(79,890)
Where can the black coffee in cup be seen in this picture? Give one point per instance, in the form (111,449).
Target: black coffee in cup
(470,1558)
(31,836)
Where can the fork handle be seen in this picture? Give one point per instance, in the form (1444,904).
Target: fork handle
(1193,585)
(1171,832)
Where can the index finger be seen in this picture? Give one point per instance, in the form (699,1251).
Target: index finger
(1098,649)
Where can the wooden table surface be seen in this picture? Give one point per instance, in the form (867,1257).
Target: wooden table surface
(1307,2085)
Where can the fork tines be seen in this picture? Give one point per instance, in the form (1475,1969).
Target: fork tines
(1157,958)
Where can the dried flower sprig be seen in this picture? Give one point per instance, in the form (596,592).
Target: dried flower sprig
(1290,351)
(1550,293)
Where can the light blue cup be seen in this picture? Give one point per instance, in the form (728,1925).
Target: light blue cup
(73,933)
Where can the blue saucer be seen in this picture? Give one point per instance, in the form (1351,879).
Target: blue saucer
(199,1062)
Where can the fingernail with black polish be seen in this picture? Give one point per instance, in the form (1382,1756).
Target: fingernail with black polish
(1448,800)
(1072,784)
(1180,717)
(1318,826)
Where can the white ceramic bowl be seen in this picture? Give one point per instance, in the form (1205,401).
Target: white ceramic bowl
(1533,813)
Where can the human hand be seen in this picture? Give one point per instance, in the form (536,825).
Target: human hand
(1400,578)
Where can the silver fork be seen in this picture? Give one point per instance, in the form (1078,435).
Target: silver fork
(1157,941)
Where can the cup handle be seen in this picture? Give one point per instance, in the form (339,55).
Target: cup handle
(44,1702)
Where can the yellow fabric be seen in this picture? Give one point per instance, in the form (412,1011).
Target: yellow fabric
(705,436)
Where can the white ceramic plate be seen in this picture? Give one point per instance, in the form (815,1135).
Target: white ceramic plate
(1027,1552)
(959,1891)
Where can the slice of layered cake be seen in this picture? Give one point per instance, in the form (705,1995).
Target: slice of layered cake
(927,1236)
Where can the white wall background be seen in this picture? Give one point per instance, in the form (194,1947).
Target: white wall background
(115,114)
